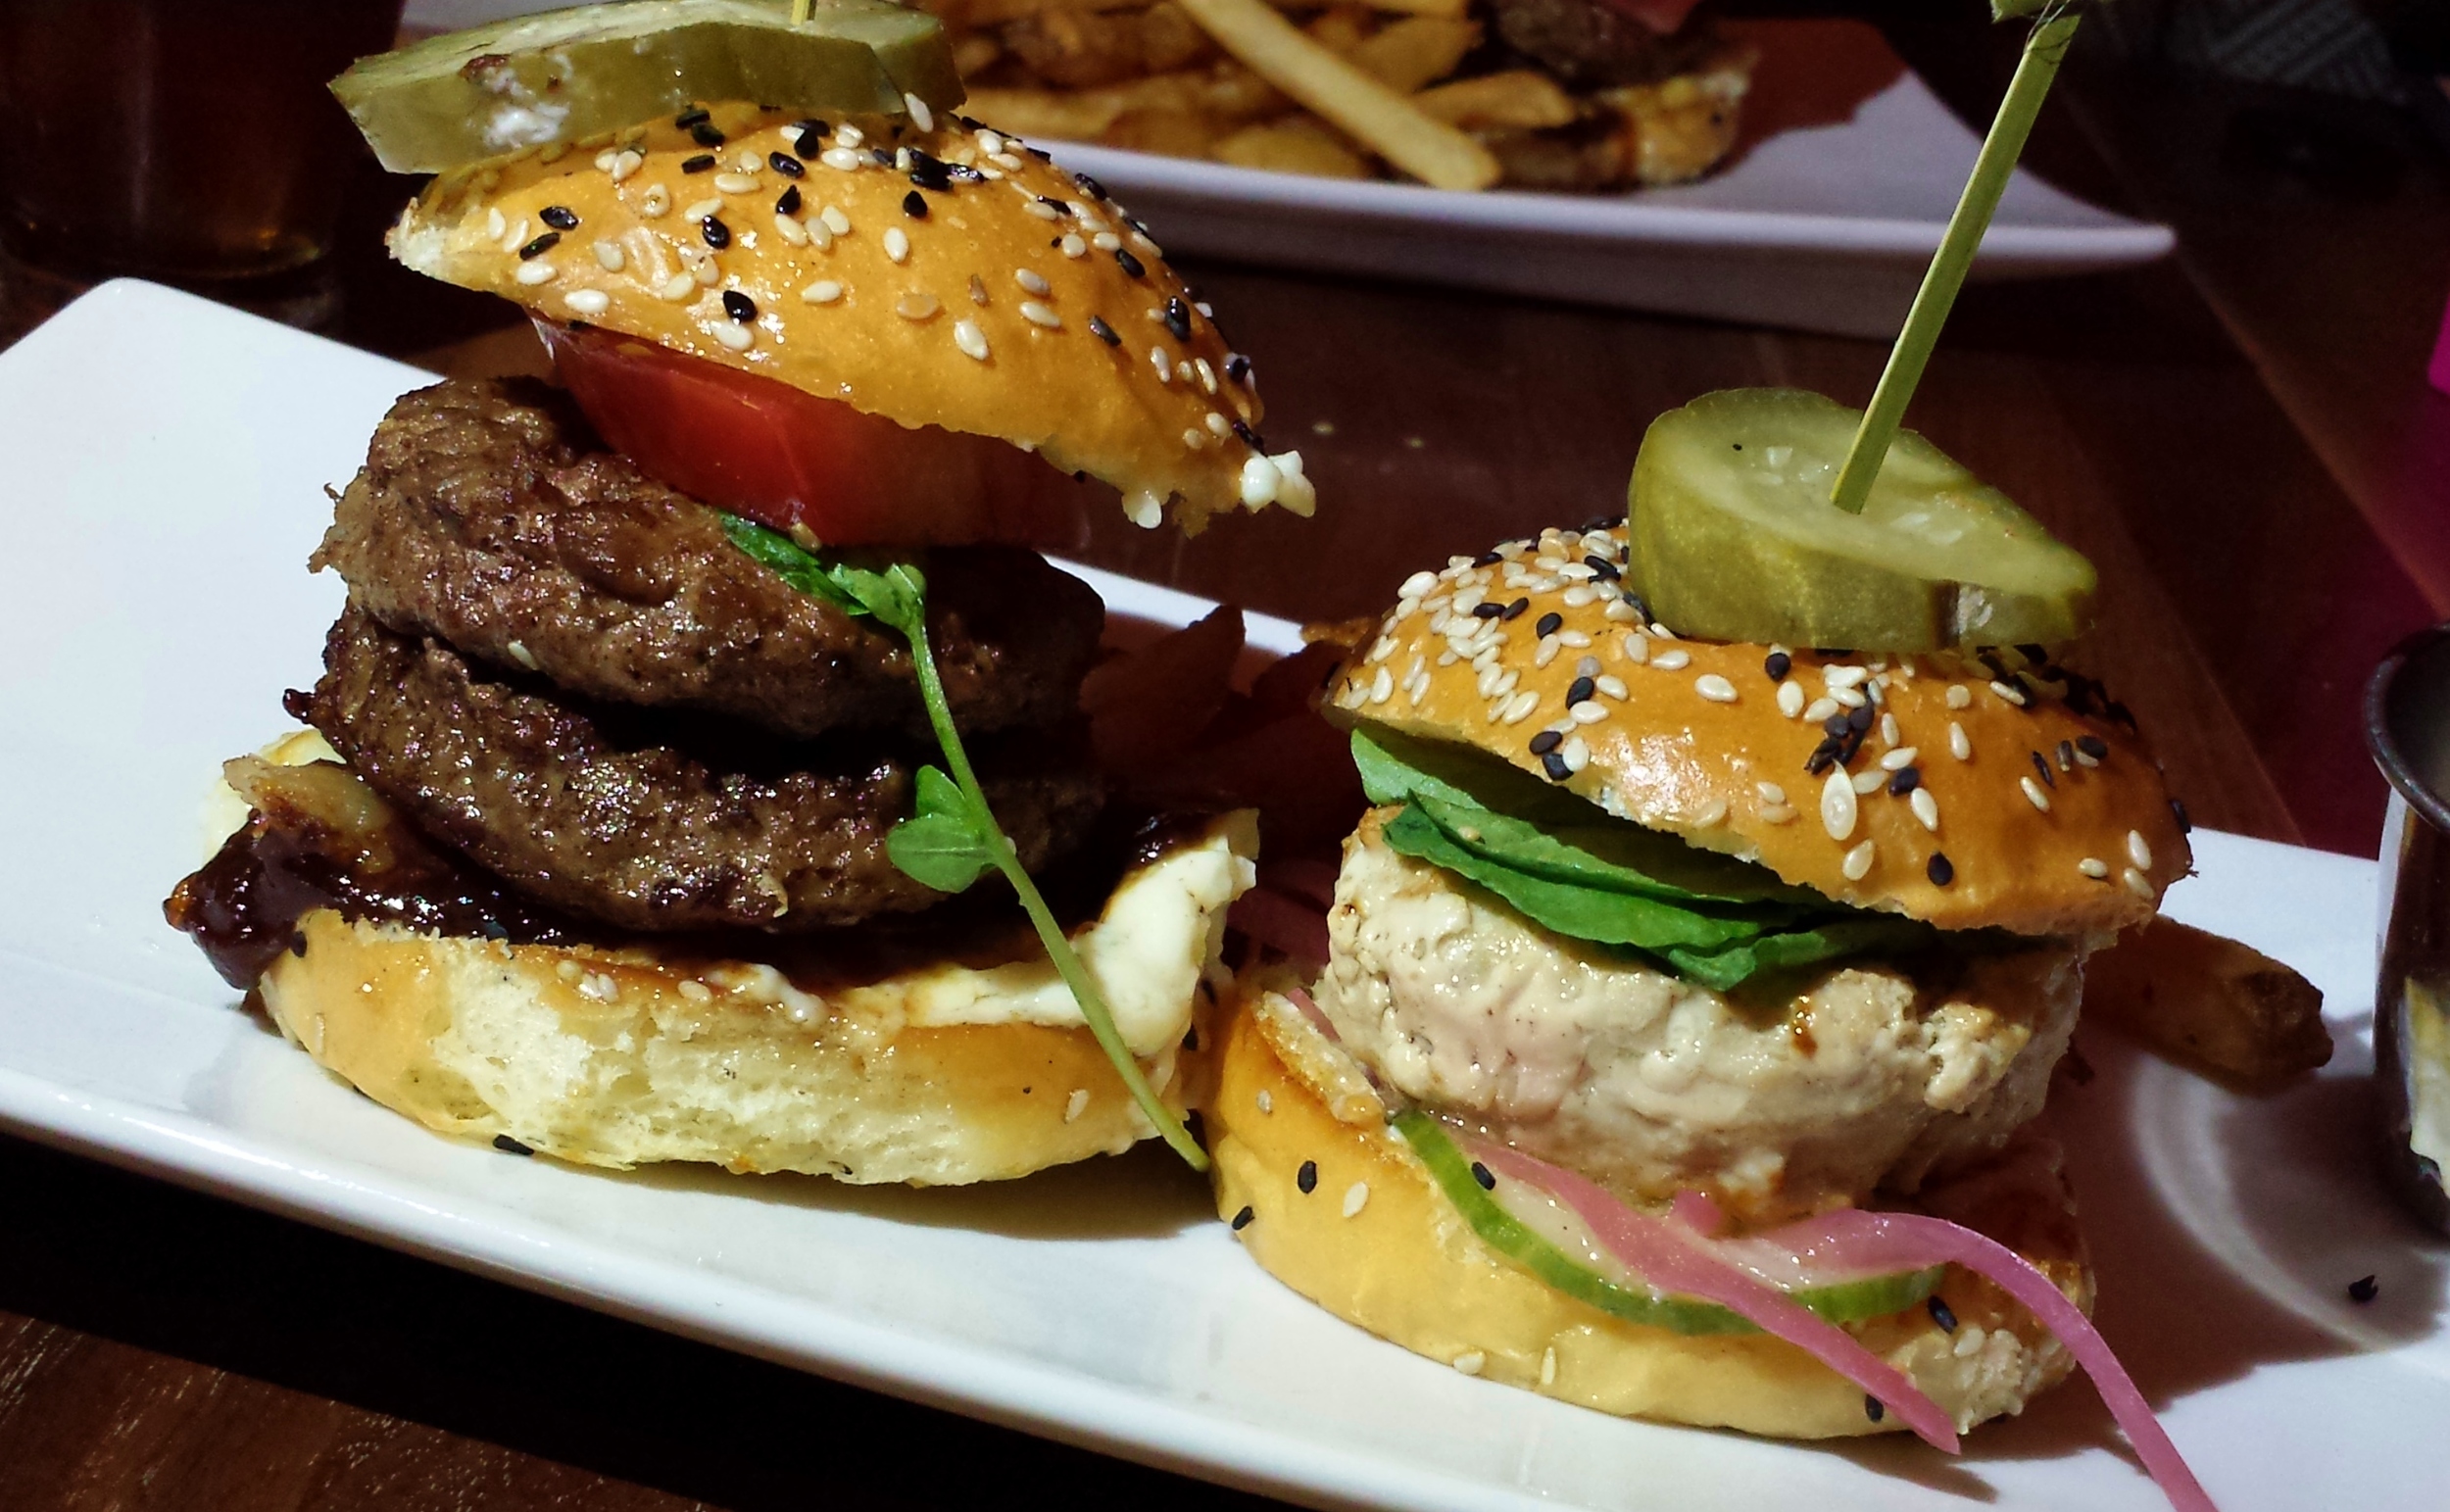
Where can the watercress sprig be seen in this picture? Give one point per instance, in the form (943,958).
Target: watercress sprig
(953,838)
(2054,25)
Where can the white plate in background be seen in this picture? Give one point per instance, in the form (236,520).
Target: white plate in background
(1822,229)
(167,461)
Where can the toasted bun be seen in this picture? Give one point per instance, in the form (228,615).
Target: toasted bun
(955,331)
(2088,845)
(1407,1268)
(937,1076)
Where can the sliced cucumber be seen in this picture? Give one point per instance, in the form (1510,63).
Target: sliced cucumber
(567,75)
(1735,538)
(1845,1301)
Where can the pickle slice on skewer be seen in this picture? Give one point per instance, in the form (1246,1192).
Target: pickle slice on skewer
(1734,537)
(566,75)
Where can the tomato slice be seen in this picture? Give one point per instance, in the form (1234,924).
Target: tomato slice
(785,457)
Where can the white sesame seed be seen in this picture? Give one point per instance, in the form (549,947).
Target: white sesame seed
(698,210)
(824,291)
(2086,758)
(2010,695)
(1357,1197)
(1671,661)
(1548,653)
(842,160)
(732,334)
(1267,1105)
(705,272)
(1076,1104)
(1848,697)
(1192,440)
(1218,426)
(1207,374)
(1959,696)
(916,306)
(1575,753)
(1470,1362)
(1868,781)
(850,135)
(1612,685)
(1620,611)
(495,226)
(748,162)
(1711,686)
(1790,699)
(1819,709)
(1074,247)
(1777,813)
(1005,160)
(1838,808)
(1958,745)
(1106,241)
(835,220)
(696,990)
(921,116)
(2138,851)
(587,301)
(1145,509)
(990,143)
(1031,282)
(1383,686)
(655,201)
(626,163)
(1549,1366)
(1836,677)
(1589,711)
(1898,759)
(1419,585)
(1858,862)
(1260,482)
(2034,793)
(1771,792)
(679,287)
(2136,882)
(791,230)
(1889,728)
(1521,708)
(897,244)
(1712,815)
(970,339)
(1925,809)
(2093,867)
(533,273)
(1041,210)
(1379,651)
(610,256)
(735,184)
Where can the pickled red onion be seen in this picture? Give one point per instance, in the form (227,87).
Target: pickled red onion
(1680,1262)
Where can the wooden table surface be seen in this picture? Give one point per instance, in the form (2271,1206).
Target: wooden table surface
(2239,438)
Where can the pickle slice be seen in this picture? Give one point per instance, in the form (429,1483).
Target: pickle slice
(567,75)
(1734,537)
(1842,1302)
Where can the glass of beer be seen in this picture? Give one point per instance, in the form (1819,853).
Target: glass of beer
(182,139)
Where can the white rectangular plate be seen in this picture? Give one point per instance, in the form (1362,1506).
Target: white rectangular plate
(168,458)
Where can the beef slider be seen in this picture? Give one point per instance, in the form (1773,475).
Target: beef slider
(1590,44)
(606,813)
(489,515)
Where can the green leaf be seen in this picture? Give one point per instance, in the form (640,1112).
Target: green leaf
(942,845)
(895,593)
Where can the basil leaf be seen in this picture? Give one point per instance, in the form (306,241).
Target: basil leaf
(942,845)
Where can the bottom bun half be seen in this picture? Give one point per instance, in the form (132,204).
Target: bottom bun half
(1374,1242)
(943,1074)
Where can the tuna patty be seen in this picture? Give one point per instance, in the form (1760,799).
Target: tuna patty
(1872,1078)
(623,817)
(489,515)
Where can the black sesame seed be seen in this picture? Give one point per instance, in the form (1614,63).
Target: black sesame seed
(1554,765)
(2185,826)
(1835,727)
(928,172)
(1130,264)
(962,172)
(1307,1177)
(699,163)
(2093,746)
(1487,1178)
(1939,869)
(1833,653)
(1241,1220)
(1547,624)
(811,142)
(2364,1288)
(1582,688)
(1515,609)
(509,1146)
(1486,611)
(1237,368)
(1487,559)
(1942,1314)
(1104,332)
(492,929)
(1545,742)
(1090,186)
(559,217)
(882,157)
(788,202)
(1178,318)
(717,235)
(1872,1407)
(540,246)
(2043,765)
(2066,754)
(785,164)
(2035,653)
(1040,152)
(1060,207)
(1739,446)
(1859,719)
(1824,757)
(740,306)
(705,134)
(695,116)
(297,945)
(1777,664)
(1250,438)
(1904,780)
(914,205)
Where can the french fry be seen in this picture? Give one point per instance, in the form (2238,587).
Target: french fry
(1057,114)
(1298,144)
(1410,54)
(2209,1001)
(1519,99)
(994,13)
(1171,133)
(1374,114)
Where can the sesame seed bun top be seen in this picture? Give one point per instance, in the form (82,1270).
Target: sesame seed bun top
(2041,809)
(939,275)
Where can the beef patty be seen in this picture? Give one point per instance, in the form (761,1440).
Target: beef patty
(1590,44)
(489,515)
(644,821)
